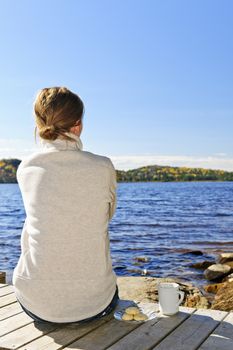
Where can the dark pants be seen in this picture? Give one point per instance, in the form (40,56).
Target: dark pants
(105,312)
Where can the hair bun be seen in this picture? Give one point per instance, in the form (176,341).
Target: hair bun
(51,127)
(48,132)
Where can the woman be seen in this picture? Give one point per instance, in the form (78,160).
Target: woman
(64,273)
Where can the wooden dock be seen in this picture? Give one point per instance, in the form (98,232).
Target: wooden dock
(189,329)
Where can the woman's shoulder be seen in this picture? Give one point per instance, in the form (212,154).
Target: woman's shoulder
(99,159)
(28,159)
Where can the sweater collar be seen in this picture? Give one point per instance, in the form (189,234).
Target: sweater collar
(61,144)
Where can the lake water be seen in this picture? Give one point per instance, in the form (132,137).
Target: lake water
(170,224)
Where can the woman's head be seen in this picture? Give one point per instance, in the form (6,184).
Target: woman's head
(57,110)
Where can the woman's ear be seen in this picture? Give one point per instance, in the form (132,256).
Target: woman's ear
(80,126)
(77,128)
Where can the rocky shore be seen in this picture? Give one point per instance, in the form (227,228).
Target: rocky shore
(218,294)
(221,276)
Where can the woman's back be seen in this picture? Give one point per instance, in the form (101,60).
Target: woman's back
(65,273)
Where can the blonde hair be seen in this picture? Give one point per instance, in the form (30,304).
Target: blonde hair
(56,110)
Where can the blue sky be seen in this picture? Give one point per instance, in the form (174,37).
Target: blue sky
(156,77)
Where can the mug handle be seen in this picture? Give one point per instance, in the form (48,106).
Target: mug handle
(181,297)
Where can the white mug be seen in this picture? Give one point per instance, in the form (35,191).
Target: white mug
(170,297)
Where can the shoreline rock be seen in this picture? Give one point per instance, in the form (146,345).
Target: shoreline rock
(202,265)
(224,257)
(220,292)
(224,297)
(213,288)
(217,271)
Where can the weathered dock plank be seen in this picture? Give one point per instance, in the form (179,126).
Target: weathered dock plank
(191,333)
(7,299)
(152,332)
(22,336)
(12,323)
(63,336)
(10,310)
(104,336)
(6,290)
(222,337)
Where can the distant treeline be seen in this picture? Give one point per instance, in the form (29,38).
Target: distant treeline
(8,168)
(169,173)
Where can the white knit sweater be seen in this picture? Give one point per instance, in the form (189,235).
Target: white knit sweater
(64,273)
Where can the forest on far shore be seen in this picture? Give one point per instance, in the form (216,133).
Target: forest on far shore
(8,168)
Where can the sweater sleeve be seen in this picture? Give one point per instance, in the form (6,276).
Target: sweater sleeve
(113,187)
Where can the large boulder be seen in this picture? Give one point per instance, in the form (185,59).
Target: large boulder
(224,298)
(202,264)
(216,271)
(224,257)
